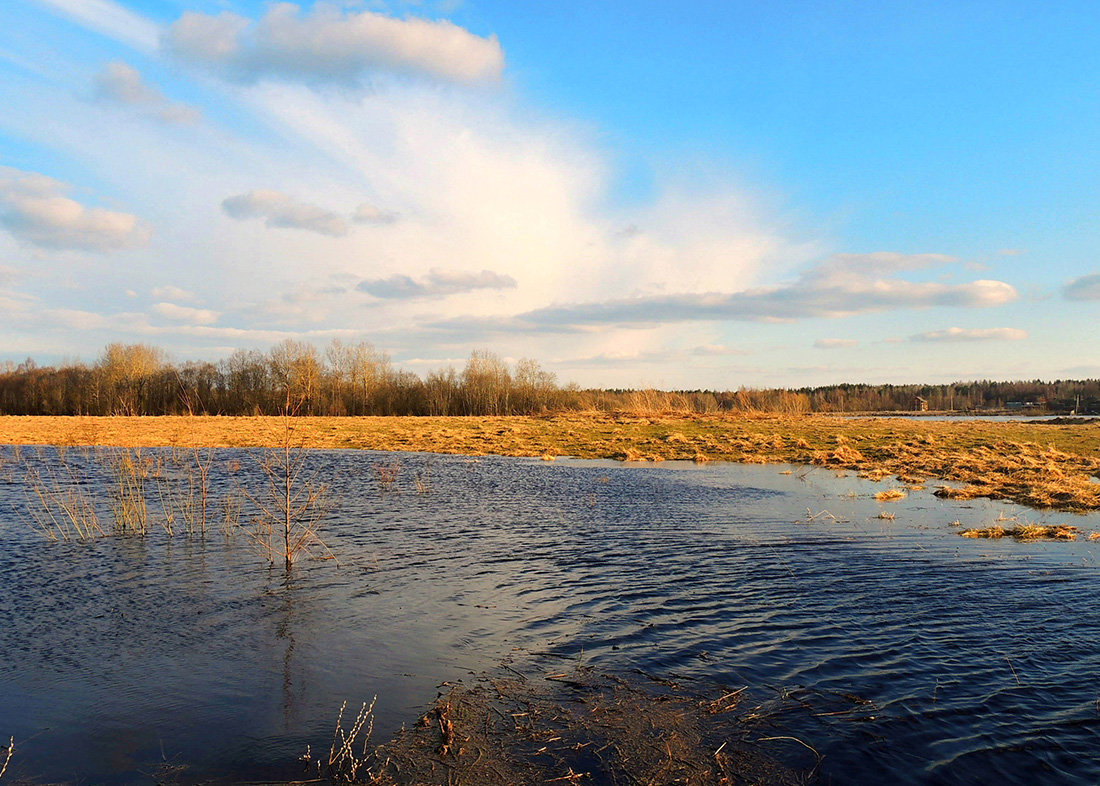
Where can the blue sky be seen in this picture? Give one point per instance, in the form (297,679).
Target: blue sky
(700,195)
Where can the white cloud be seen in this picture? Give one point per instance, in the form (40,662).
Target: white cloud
(1083,288)
(839,286)
(122,84)
(279,210)
(370,214)
(192,316)
(111,19)
(437,283)
(718,350)
(327,45)
(835,343)
(34,209)
(170,292)
(972,334)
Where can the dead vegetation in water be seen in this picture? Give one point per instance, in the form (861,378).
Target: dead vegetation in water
(1041,465)
(890,495)
(1024,532)
(584,727)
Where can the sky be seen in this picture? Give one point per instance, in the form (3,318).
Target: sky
(644,194)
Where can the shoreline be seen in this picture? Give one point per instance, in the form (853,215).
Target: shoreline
(1041,465)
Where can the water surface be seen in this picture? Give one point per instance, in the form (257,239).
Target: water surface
(972,661)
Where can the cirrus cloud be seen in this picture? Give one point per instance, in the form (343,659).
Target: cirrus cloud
(972,334)
(327,45)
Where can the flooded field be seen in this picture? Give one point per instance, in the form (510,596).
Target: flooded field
(912,654)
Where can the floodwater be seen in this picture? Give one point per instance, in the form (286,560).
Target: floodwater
(964,661)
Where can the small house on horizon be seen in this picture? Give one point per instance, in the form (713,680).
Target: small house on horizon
(920,404)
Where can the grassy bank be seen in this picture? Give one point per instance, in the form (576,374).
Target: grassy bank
(1043,465)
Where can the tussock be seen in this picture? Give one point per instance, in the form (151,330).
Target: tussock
(890,495)
(1026,532)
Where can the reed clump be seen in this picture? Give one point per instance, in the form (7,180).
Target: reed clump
(130,470)
(386,474)
(58,503)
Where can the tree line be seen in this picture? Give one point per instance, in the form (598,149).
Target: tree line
(358,379)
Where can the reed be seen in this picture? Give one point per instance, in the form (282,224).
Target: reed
(57,504)
(423,479)
(385,475)
(183,489)
(130,471)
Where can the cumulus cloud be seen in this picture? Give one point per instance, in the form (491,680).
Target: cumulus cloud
(122,84)
(842,285)
(191,316)
(280,210)
(327,45)
(437,283)
(370,214)
(835,343)
(34,209)
(972,334)
(1083,288)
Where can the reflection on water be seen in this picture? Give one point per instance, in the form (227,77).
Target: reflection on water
(979,660)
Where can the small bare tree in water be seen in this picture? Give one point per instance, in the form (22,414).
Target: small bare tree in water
(292,502)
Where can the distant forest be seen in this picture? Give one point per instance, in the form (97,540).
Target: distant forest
(357,379)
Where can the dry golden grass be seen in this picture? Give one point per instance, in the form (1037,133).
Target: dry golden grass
(890,495)
(1037,464)
(1026,532)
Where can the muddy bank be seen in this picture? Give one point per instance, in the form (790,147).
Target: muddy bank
(577,726)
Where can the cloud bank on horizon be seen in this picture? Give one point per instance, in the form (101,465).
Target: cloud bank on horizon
(219,180)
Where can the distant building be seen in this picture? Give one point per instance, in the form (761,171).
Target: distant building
(1014,405)
(920,404)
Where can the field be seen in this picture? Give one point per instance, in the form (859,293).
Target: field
(1042,465)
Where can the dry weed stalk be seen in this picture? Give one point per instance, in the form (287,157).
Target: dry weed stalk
(344,763)
(8,753)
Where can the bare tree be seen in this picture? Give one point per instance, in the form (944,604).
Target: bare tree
(126,370)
